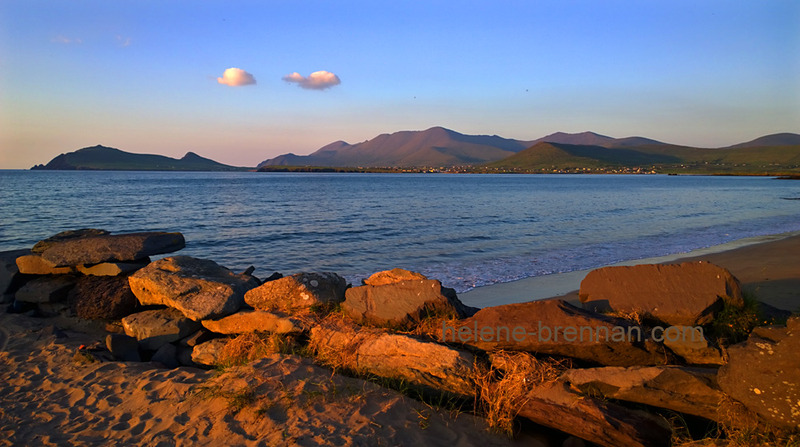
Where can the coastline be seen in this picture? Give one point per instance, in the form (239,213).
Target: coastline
(766,265)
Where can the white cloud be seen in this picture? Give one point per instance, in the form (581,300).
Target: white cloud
(123,41)
(65,40)
(236,77)
(319,80)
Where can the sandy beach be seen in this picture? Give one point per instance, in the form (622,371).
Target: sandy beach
(50,397)
(767,266)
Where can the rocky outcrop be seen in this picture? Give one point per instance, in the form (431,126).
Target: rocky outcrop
(555,327)
(686,294)
(763,373)
(254,321)
(89,250)
(392,276)
(686,390)
(46,289)
(200,288)
(154,328)
(395,356)
(401,303)
(299,291)
(105,297)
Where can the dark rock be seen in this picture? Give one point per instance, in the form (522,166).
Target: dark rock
(46,289)
(299,291)
(154,328)
(402,303)
(111,248)
(184,356)
(556,327)
(167,355)
(200,288)
(686,294)
(763,373)
(273,277)
(102,297)
(10,277)
(686,390)
(244,322)
(123,347)
(395,356)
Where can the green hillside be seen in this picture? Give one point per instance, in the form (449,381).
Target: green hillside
(107,158)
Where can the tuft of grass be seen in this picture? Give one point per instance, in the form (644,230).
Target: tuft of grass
(503,388)
(237,399)
(733,324)
(249,347)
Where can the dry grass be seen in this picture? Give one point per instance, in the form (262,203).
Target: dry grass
(503,388)
(249,347)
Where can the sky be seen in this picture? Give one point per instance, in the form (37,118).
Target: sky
(243,81)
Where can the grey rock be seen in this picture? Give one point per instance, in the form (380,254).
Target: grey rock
(123,347)
(167,355)
(155,328)
(10,277)
(46,289)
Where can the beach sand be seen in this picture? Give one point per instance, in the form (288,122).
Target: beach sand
(767,266)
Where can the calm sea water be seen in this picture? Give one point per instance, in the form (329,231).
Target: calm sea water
(466,230)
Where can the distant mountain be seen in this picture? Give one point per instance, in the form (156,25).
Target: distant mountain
(107,158)
(594,139)
(778,139)
(549,155)
(436,146)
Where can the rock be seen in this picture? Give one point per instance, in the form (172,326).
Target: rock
(395,356)
(184,356)
(763,373)
(112,268)
(33,264)
(690,344)
(392,276)
(111,248)
(208,353)
(198,337)
(299,291)
(44,244)
(123,347)
(402,303)
(555,327)
(167,355)
(686,390)
(254,321)
(154,328)
(46,289)
(687,294)
(199,288)
(603,423)
(103,297)
(10,277)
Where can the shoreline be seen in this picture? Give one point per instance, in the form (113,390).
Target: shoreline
(566,285)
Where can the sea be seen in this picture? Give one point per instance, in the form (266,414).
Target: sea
(467,230)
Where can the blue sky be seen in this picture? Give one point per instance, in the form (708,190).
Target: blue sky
(142,75)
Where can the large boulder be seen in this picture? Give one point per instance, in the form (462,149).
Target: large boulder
(401,303)
(111,248)
(200,288)
(44,244)
(254,321)
(678,294)
(105,297)
(46,289)
(299,291)
(10,277)
(395,356)
(154,328)
(763,373)
(686,390)
(555,327)
(392,276)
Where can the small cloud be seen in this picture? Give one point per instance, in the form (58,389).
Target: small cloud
(65,40)
(123,41)
(319,80)
(236,77)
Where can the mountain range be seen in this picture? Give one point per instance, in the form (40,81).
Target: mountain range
(440,147)
(108,158)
